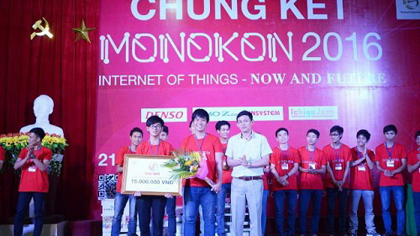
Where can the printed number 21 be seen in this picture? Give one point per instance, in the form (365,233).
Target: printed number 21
(104,157)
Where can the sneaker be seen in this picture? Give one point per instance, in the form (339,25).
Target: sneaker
(373,233)
(352,233)
(387,234)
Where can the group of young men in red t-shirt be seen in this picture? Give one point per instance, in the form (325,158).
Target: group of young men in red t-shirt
(308,172)
(341,172)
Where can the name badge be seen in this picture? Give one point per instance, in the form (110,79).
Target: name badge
(390,163)
(284,166)
(32,169)
(338,166)
(312,166)
(361,168)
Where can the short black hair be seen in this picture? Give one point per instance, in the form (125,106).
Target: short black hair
(282,129)
(417,134)
(244,113)
(337,128)
(221,123)
(390,128)
(200,113)
(165,129)
(316,132)
(39,132)
(364,133)
(153,120)
(136,129)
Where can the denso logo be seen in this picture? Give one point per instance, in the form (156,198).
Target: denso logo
(167,114)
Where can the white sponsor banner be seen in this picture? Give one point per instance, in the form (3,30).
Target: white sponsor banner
(167,114)
(230,113)
(408,9)
(313,113)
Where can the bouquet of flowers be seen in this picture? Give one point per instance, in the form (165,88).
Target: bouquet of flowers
(56,144)
(189,165)
(14,143)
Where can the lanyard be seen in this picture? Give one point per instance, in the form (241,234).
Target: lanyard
(311,157)
(36,152)
(359,153)
(151,149)
(392,150)
(284,153)
(202,142)
(131,151)
(337,154)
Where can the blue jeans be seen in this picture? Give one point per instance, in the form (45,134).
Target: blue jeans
(155,206)
(307,195)
(24,199)
(194,197)
(398,193)
(119,204)
(416,200)
(264,212)
(332,194)
(220,213)
(279,197)
(367,196)
(170,211)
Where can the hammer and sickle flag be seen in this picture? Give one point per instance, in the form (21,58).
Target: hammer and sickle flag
(45,30)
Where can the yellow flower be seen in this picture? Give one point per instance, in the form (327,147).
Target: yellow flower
(196,156)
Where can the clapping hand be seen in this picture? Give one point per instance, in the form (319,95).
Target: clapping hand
(244,161)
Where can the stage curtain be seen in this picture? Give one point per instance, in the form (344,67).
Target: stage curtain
(66,72)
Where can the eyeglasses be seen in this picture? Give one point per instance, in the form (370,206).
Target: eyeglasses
(156,127)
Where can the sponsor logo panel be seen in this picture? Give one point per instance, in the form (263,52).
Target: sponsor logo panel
(313,113)
(167,114)
(408,9)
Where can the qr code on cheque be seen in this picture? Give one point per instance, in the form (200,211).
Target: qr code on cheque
(107,184)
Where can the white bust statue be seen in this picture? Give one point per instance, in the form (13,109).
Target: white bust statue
(43,107)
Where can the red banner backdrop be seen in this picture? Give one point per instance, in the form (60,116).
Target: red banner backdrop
(295,64)
(67,73)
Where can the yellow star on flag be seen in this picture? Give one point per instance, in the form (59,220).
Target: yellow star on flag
(82,32)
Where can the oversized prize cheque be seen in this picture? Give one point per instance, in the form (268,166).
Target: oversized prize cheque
(146,174)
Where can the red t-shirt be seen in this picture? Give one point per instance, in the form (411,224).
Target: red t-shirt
(227,174)
(337,158)
(163,149)
(266,179)
(398,153)
(120,162)
(32,178)
(360,176)
(308,180)
(2,154)
(210,144)
(413,158)
(281,158)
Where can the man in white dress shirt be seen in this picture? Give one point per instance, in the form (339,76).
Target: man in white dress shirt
(247,152)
